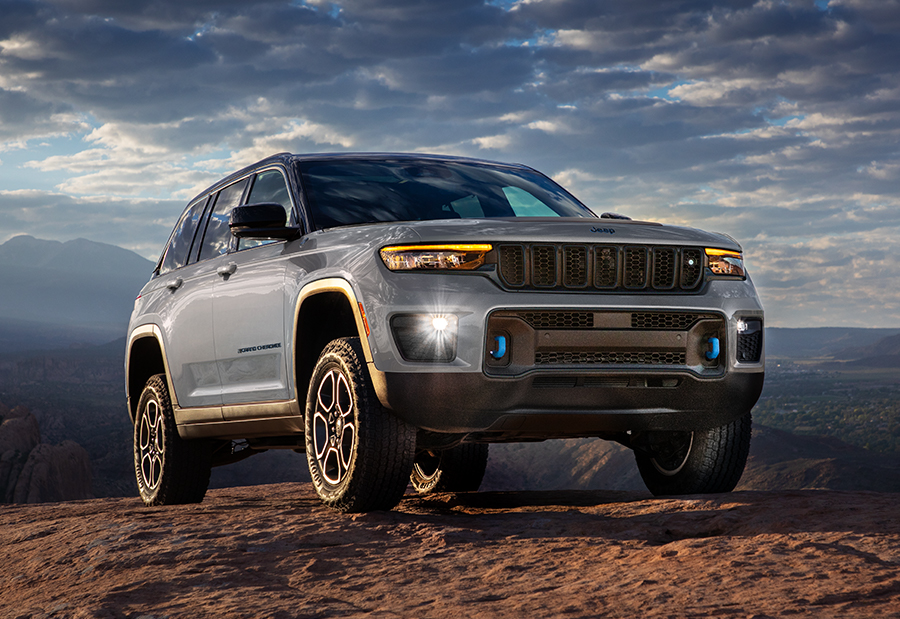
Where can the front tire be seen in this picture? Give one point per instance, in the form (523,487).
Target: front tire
(459,469)
(359,453)
(169,470)
(699,462)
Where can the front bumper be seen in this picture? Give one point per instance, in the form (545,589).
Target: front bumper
(544,406)
(587,379)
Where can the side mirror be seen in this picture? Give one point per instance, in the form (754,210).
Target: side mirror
(261,221)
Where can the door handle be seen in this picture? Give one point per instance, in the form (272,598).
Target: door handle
(175,284)
(227,269)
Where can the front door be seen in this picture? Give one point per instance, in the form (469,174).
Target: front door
(248,317)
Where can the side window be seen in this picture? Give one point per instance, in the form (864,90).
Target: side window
(526,205)
(218,236)
(179,248)
(268,187)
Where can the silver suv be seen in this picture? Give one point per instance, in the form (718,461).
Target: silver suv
(391,315)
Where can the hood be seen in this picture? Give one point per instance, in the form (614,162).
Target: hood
(555,230)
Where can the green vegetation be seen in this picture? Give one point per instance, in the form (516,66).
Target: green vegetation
(858,406)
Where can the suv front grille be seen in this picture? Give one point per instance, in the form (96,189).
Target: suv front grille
(677,321)
(596,267)
(600,357)
(564,319)
(554,340)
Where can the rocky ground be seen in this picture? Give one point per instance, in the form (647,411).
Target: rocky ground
(274,551)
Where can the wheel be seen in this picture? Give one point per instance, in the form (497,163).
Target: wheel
(359,454)
(698,462)
(459,469)
(169,469)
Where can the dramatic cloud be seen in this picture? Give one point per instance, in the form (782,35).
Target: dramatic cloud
(774,121)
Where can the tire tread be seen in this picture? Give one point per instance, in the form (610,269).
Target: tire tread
(715,465)
(187,464)
(386,445)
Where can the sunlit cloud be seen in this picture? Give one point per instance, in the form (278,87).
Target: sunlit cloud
(775,122)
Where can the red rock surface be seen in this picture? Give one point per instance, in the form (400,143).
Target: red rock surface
(275,551)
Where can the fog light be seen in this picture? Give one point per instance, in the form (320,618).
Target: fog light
(748,325)
(426,337)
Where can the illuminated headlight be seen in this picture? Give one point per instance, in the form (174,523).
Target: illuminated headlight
(434,257)
(426,337)
(725,263)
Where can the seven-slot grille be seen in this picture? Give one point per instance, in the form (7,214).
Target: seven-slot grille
(596,267)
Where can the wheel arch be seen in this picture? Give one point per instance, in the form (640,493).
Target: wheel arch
(326,310)
(145,358)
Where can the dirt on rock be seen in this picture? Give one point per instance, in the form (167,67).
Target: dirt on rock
(275,551)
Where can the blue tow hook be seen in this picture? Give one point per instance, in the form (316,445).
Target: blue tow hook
(713,352)
(500,342)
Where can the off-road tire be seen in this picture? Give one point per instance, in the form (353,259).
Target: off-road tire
(169,470)
(359,454)
(459,469)
(707,462)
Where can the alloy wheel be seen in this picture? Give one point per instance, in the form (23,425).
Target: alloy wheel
(334,427)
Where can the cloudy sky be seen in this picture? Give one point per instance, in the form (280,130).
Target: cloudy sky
(774,121)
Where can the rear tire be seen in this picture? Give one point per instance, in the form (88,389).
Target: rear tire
(359,453)
(700,462)
(169,470)
(459,469)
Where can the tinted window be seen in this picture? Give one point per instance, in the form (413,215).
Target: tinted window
(268,187)
(526,205)
(218,237)
(179,248)
(360,191)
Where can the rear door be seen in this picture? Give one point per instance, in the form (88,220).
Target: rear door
(183,304)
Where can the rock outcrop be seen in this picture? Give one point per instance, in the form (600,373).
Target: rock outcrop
(35,472)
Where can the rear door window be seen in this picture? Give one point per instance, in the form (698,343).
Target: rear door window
(179,248)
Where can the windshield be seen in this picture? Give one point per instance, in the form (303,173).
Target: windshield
(346,192)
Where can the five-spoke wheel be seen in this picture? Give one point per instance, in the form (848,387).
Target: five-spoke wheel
(359,454)
(334,427)
(168,469)
(151,445)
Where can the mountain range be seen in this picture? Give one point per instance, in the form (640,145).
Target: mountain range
(58,294)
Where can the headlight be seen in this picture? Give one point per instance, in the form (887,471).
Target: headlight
(434,257)
(725,263)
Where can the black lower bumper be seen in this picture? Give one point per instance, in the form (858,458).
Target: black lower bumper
(553,406)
